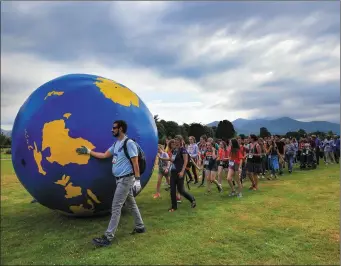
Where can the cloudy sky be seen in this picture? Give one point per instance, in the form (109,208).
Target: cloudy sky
(188,61)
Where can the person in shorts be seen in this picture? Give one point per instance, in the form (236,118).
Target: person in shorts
(254,162)
(235,160)
(163,171)
(211,167)
(222,161)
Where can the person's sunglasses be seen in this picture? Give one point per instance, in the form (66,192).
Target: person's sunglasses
(113,128)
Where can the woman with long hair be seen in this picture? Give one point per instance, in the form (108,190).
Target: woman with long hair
(223,163)
(253,163)
(242,171)
(261,143)
(235,156)
(170,148)
(179,161)
(210,163)
(202,150)
(163,170)
(193,151)
(273,158)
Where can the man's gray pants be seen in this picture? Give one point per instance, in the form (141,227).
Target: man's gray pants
(123,193)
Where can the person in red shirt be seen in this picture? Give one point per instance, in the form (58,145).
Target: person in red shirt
(242,164)
(222,160)
(235,156)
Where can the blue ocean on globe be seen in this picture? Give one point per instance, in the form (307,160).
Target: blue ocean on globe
(61,116)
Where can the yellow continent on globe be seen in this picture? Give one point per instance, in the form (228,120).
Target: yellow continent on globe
(117,93)
(38,157)
(75,191)
(57,93)
(62,146)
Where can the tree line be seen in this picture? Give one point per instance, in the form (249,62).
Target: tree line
(225,130)
(5,141)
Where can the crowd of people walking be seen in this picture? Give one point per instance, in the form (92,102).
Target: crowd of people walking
(236,160)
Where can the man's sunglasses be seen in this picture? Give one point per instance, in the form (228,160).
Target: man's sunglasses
(113,128)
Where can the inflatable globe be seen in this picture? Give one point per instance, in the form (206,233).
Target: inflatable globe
(61,116)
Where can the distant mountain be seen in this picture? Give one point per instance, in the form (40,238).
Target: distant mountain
(7,133)
(280,126)
(213,124)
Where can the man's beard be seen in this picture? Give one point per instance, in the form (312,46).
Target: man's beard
(115,135)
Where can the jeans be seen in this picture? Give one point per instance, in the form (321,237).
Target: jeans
(290,159)
(274,164)
(123,193)
(337,155)
(329,156)
(177,182)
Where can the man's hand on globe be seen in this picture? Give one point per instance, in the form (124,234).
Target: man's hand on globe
(83,150)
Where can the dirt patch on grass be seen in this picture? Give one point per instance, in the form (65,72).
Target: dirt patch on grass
(4,198)
(244,217)
(334,235)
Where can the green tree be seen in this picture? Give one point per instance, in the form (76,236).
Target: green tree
(302,133)
(214,128)
(156,118)
(161,131)
(330,133)
(242,136)
(225,130)
(209,132)
(172,128)
(3,139)
(264,132)
(196,130)
(292,134)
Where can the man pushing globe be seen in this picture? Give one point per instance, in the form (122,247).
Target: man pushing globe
(125,169)
(53,123)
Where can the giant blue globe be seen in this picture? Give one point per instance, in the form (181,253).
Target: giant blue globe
(63,115)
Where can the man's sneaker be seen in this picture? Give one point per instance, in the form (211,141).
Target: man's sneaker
(239,195)
(102,241)
(138,231)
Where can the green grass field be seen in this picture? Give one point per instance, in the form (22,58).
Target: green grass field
(3,155)
(294,220)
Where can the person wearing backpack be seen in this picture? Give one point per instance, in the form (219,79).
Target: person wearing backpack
(127,163)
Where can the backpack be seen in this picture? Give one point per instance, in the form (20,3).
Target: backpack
(141,156)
